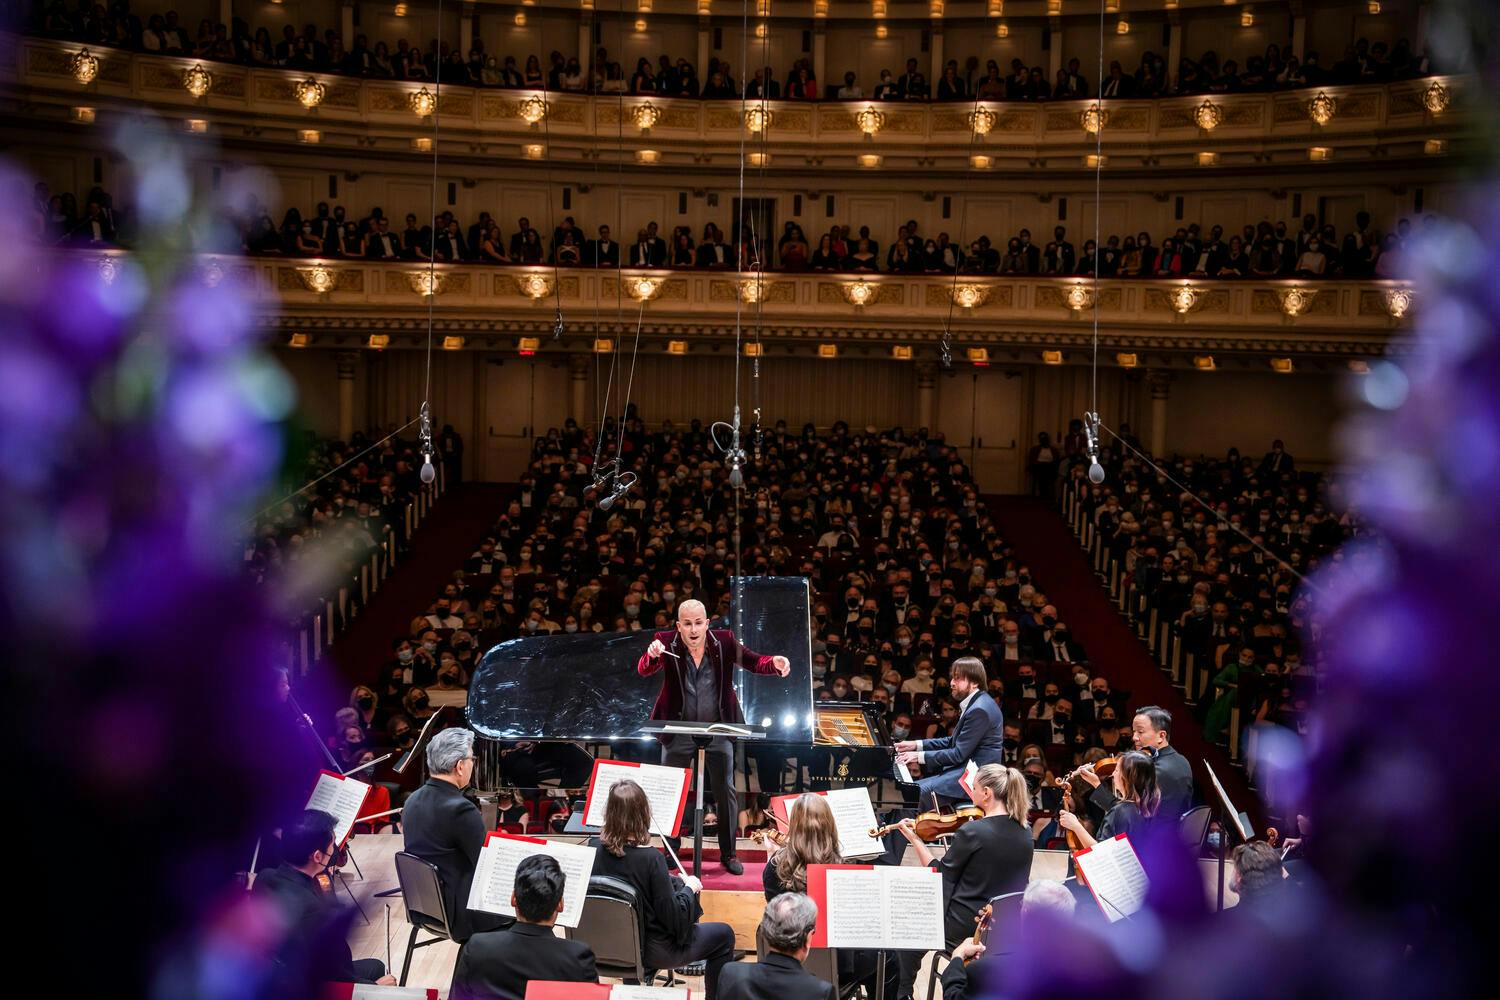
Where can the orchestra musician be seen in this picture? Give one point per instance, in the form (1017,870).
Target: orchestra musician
(812,838)
(444,828)
(671,912)
(497,965)
(786,925)
(314,949)
(977,969)
(978,736)
(1137,800)
(698,686)
(988,857)
(1151,733)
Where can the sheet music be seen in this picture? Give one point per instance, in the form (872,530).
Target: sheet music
(853,816)
(1228,807)
(966,780)
(1115,876)
(880,906)
(341,798)
(369,991)
(665,788)
(495,875)
(622,992)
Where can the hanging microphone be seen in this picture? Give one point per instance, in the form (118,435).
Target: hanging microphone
(429,473)
(1091,431)
(557,325)
(736,453)
(623,484)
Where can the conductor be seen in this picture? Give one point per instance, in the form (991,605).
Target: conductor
(698,686)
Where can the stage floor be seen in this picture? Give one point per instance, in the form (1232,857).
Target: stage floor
(433,966)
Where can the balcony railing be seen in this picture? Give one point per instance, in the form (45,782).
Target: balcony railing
(1403,118)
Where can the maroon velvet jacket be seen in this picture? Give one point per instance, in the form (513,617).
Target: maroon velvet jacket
(722,652)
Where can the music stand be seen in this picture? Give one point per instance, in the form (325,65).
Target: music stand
(703,734)
(1224,808)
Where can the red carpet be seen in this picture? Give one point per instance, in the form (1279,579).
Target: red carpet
(1062,570)
(452,530)
(714,875)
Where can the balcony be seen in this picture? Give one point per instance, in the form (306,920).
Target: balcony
(1267,132)
(312,302)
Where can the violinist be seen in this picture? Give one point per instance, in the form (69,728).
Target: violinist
(1151,733)
(1137,800)
(988,857)
(812,838)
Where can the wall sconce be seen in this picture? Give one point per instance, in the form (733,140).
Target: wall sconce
(762,8)
(1247,18)
(422,103)
(317,279)
(758,159)
(1294,301)
(309,93)
(1127,360)
(1054,6)
(1358,367)
(1208,116)
(1435,147)
(645,116)
(1320,153)
(753,350)
(648,156)
(869,160)
(968,296)
(399,10)
(828,351)
(996,8)
(212,274)
(1183,298)
(1111,6)
(705,7)
(1205,363)
(1122,27)
(1322,108)
(1435,98)
(870,121)
(982,121)
(881,31)
(422,144)
(533,151)
(980,162)
(603,345)
(901,352)
(197,126)
(752,290)
(935,8)
(1093,118)
(877,8)
(859,292)
(677,348)
(1095,160)
(758,119)
(108,270)
(642,289)
(453,343)
(378,341)
(1052,357)
(640,25)
(1079,297)
(196,80)
(978,356)
(425,283)
(84,66)
(298,340)
(1373,6)
(84,116)
(761,30)
(309,135)
(643,6)
(1282,366)
(1208,159)
(527,346)
(820,8)
(1397,302)
(1002,30)
(533,110)
(537,286)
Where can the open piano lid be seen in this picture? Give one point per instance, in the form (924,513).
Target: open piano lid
(585,687)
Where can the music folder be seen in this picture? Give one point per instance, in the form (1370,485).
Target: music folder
(495,875)
(1112,871)
(877,906)
(369,991)
(538,989)
(340,797)
(666,790)
(853,816)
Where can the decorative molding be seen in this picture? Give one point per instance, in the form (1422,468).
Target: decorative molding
(1321,302)
(672,115)
(1210,300)
(114,66)
(883,293)
(1056,297)
(1118,118)
(771,292)
(494,107)
(670,289)
(1234,115)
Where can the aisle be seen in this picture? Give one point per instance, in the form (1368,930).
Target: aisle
(1062,570)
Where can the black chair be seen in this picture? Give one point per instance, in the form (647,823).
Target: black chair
(422,892)
(1005,913)
(1193,827)
(613,924)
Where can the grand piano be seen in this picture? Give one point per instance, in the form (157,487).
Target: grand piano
(540,693)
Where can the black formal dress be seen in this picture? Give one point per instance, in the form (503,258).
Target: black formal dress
(315,949)
(444,828)
(988,857)
(497,965)
(776,977)
(674,937)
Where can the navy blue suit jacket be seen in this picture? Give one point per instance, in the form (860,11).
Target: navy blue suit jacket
(979,737)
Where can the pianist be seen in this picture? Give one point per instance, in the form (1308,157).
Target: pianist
(977,736)
(698,686)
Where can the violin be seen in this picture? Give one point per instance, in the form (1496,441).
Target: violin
(1104,767)
(1074,844)
(982,921)
(933,824)
(767,835)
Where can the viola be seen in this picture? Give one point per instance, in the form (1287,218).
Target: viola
(933,824)
(982,921)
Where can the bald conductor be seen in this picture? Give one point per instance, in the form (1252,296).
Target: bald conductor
(698,686)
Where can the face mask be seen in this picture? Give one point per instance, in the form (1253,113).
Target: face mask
(1080,679)
(900,732)
(669,595)
(632,611)
(1049,698)
(365,703)
(405,655)
(819,669)
(924,674)
(532,625)
(450,678)
(991,591)
(429,646)
(571,627)
(1011,640)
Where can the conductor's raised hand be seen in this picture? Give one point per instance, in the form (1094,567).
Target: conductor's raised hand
(654,651)
(782,664)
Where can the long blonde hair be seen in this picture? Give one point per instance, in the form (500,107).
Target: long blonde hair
(1008,786)
(811,839)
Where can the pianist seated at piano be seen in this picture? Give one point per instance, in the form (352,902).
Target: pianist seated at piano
(977,735)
